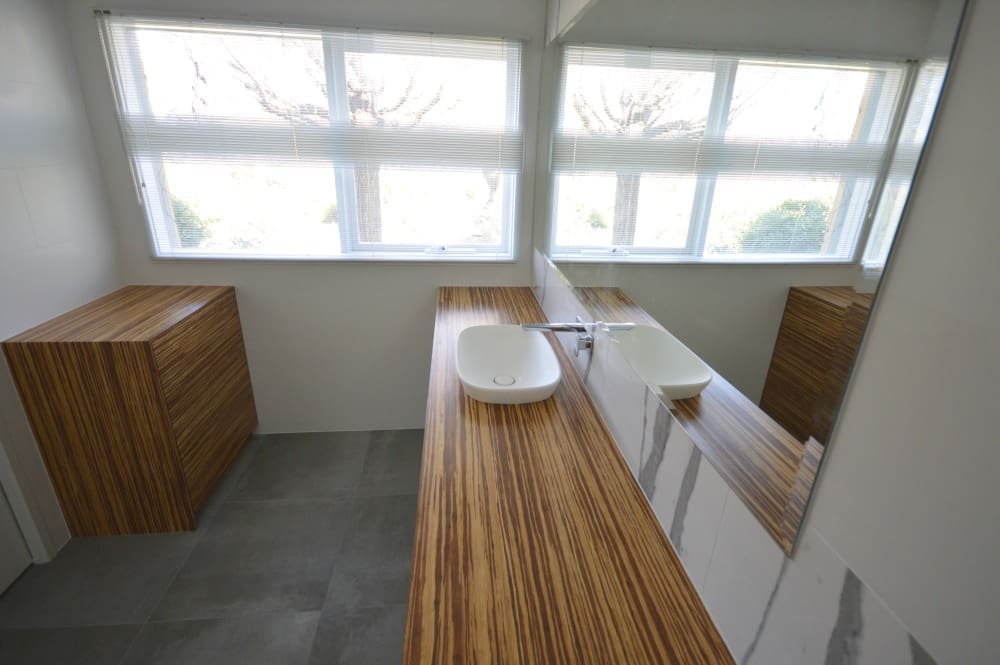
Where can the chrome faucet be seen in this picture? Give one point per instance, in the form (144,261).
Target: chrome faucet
(584,331)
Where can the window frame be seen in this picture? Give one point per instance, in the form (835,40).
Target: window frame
(725,72)
(151,191)
(936,71)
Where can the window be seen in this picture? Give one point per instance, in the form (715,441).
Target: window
(687,156)
(281,142)
(896,189)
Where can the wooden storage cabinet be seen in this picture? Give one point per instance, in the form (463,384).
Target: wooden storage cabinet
(139,402)
(818,340)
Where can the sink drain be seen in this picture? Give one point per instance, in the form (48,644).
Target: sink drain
(504,380)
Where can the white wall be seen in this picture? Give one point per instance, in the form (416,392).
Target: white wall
(331,346)
(887,28)
(58,247)
(563,15)
(909,495)
(728,315)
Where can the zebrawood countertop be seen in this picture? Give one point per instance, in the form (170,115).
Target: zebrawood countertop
(131,314)
(768,468)
(534,543)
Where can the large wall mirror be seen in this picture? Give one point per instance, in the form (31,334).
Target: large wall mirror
(731,174)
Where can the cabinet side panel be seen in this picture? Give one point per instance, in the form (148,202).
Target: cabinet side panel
(807,340)
(100,423)
(855,321)
(206,384)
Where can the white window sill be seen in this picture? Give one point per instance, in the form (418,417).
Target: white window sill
(641,259)
(415,259)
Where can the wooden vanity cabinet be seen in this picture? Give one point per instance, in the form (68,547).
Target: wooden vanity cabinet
(139,402)
(818,340)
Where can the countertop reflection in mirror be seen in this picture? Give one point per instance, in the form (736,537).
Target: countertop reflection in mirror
(735,175)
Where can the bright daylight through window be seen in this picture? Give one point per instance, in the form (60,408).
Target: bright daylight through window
(273,141)
(686,156)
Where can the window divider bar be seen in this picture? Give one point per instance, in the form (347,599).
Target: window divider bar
(513,118)
(339,110)
(895,132)
(716,123)
(850,189)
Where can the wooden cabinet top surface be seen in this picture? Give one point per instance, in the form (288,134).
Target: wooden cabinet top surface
(838,296)
(130,314)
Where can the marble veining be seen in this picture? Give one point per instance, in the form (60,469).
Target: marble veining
(657,446)
(806,609)
(767,610)
(676,531)
(843,646)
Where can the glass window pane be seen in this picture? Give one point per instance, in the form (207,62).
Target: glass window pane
(252,208)
(641,210)
(585,210)
(890,211)
(234,74)
(773,216)
(664,211)
(445,207)
(797,102)
(635,101)
(404,90)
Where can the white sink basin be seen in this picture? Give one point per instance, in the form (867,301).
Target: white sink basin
(664,362)
(507,365)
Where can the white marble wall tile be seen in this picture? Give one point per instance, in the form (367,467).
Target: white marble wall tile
(742,577)
(620,396)
(651,430)
(695,524)
(560,304)
(666,452)
(806,609)
(18,234)
(884,640)
(539,274)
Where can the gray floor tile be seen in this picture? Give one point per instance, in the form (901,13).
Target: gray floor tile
(393,463)
(227,486)
(97,645)
(360,636)
(304,466)
(97,581)
(266,639)
(373,565)
(259,557)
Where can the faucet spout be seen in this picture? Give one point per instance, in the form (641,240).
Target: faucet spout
(584,331)
(557,327)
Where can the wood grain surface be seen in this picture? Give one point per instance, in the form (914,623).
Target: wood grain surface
(98,417)
(813,355)
(534,543)
(760,460)
(136,423)
(839,372)
(206,385)
(135,313)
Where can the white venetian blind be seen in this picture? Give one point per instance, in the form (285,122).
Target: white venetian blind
(913,134)
(295,141)
(704,145)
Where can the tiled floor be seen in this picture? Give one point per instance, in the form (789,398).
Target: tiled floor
(301,557)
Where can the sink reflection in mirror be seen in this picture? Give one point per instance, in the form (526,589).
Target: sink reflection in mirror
(731,176)
(663,362)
